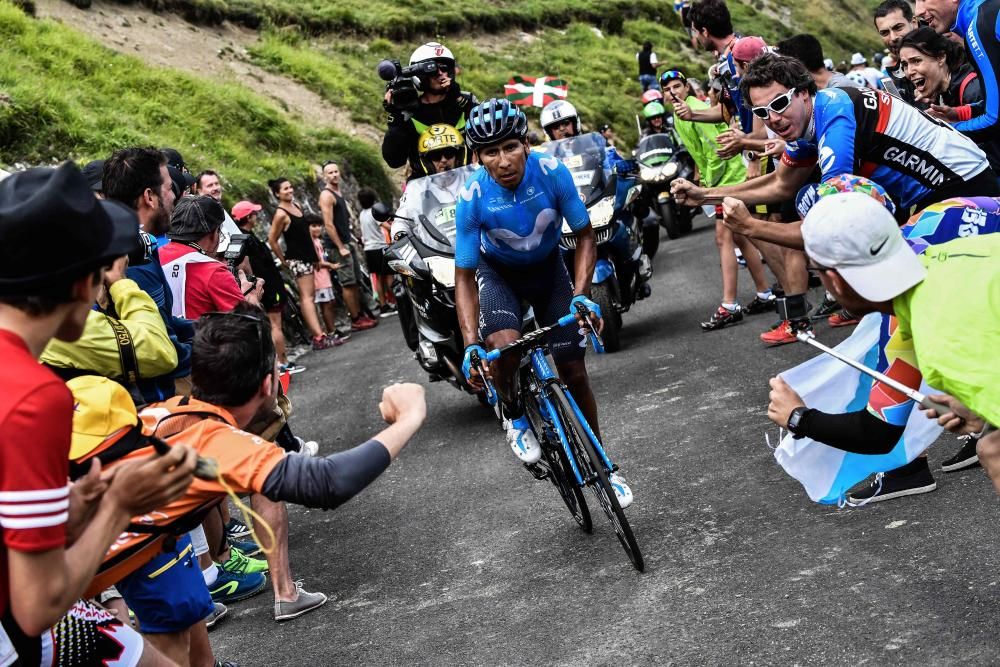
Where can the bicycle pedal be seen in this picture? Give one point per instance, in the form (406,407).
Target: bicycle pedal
(537,471)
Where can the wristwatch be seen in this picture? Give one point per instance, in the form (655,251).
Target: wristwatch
(794,419)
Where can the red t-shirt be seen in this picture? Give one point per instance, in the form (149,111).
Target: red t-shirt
(36,424)
(209,286)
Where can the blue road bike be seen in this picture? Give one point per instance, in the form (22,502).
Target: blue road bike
(572,456)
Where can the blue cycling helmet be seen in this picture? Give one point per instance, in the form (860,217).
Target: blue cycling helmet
(493,121)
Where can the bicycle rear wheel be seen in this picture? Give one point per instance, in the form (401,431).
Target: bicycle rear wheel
(595,474)
(560,472)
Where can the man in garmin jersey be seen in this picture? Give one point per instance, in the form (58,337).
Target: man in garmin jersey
(918,160)
(509,220)
(441,101)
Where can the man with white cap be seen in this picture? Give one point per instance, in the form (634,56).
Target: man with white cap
(872,76)
(856,247)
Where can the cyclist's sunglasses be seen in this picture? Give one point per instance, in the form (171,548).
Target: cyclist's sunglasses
(778,105)
(443,154)
(266,360)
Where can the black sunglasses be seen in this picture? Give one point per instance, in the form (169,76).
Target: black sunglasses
(443,154)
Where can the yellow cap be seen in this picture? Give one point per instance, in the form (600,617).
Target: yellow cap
(101,408)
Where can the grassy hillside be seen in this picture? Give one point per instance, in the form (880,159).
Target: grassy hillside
(63,95)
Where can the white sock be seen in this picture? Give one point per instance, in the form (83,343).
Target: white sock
(765,294)
(211,574)
(731,307)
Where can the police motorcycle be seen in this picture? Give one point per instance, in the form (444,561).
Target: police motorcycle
(662,159)
(423,257)
(622,272)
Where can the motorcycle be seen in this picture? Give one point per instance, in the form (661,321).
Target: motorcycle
(622,272)
(662,158)
(423,257)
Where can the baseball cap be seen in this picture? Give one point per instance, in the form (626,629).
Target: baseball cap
(828,63)
(102,412)
(181,181)
(747,48)
(858,59)
(855,234)
(45,203)
(244,208)
(93,171)
(174,158)
(194,217)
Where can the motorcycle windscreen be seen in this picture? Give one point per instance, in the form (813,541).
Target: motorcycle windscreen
(655,149)
(584,157)
(432,200)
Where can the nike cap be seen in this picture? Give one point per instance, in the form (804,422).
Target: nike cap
(855,234)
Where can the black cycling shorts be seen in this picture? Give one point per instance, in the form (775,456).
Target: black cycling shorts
(545,286)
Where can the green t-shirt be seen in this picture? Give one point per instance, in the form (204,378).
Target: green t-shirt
(699,139)
(953,317)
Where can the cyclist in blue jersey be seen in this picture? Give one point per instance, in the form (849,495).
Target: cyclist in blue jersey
(508,225)
(917,159)
(978,22)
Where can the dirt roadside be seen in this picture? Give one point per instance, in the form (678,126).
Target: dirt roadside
(217,52)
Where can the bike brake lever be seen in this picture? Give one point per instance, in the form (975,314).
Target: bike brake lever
(491,394)
(595,338)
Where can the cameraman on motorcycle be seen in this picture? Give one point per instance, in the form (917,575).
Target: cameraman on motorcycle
(441,101)
(656,119)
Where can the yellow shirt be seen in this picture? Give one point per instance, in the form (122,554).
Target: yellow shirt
(97,348)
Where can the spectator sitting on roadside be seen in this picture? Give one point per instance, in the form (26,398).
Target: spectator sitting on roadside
(51,550)
(139,178)
(262,265)
(324,295)
(373,236)
(198,282)
(856,247)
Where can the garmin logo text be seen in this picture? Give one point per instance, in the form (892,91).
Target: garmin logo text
(915,165)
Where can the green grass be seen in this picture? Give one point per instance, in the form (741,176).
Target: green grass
(408,19)
(64,95)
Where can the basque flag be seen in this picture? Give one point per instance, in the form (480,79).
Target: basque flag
(529,91)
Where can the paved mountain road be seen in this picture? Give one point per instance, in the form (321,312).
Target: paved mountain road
(456,556)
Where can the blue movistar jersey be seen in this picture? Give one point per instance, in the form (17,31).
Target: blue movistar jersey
(872,134)
(978,22)
(520,226)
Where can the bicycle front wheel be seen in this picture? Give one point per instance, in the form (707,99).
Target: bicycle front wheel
(595,474)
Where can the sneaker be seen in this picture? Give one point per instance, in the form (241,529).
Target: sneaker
(231,587)
(828,307)
(305,602)
(335,340)
(966,457)
(240,563)
(622,490)
(218,612)
(522,440)
(723,317)
(759,305)
(342,334)
(307,447)
(842,319)
(785,332)
(910,480)
(388,310)
(247,547)
(363,323)
(236,528)
(291,368)
(321,343)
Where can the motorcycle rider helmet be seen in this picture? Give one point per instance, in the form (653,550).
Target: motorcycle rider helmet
(652,95)
(437,52)
(556,112)
(493,121)
(438,138)
(652,110)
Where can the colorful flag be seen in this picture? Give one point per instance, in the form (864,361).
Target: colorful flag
(529,91)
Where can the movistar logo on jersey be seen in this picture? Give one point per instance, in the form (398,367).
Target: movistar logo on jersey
(915,164)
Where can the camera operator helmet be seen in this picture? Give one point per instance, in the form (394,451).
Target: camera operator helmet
(493,121)
(438,139)
(558,111)
(437,52)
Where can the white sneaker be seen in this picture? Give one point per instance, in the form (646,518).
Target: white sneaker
(523,441)
(622,490)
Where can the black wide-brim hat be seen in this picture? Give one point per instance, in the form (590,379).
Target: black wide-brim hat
(54,231)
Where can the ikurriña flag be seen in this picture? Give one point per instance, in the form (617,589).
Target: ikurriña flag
(536,92)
